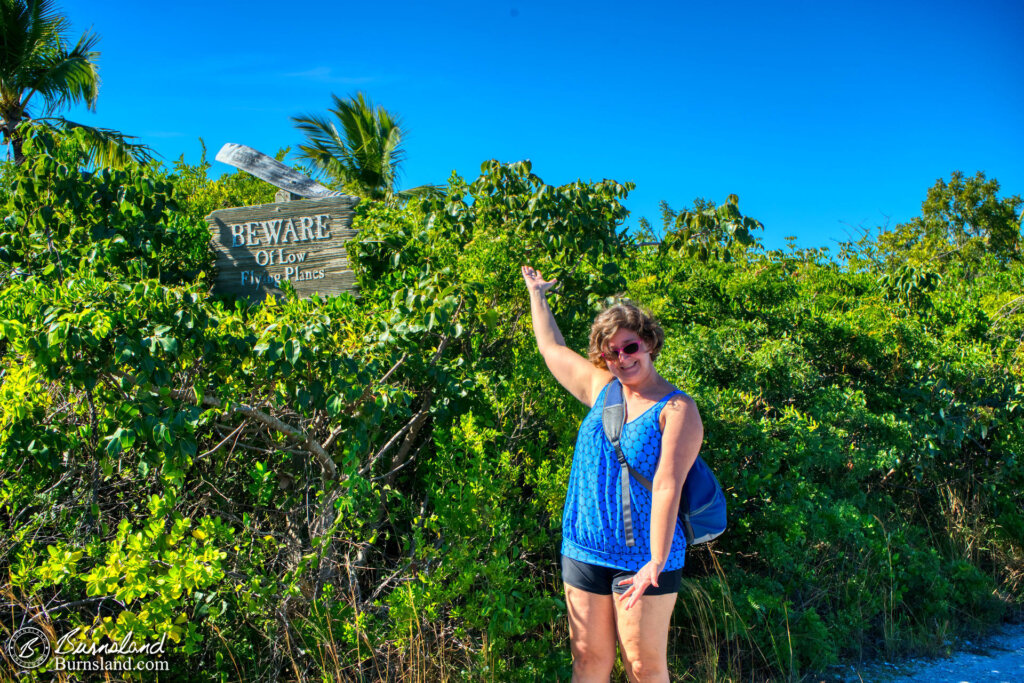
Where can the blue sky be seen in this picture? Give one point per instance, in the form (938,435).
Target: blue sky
(821,116)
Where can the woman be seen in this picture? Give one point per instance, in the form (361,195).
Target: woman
(618,592)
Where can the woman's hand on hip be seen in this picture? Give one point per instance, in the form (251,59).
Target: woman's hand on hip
(638,583)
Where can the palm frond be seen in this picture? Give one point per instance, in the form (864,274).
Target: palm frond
(359,147)
(34,60)
(326,150)
(420,191)
(73,76)
(106,147)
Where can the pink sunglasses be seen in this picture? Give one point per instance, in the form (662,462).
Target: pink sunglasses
(629,349)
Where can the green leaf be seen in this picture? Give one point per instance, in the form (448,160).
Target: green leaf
(162,434)
(170,345)
(292,351)
(490,318)
(335,404)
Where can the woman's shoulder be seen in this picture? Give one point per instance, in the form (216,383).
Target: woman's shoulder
(679,405)
(679,400)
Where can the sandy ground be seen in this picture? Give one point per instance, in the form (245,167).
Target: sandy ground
(999,659)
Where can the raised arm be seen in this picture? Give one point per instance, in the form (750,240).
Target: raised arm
(573,371)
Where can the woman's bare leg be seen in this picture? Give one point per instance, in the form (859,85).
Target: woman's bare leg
(643,636)
(591,634)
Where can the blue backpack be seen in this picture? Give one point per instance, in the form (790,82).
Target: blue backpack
(702,506)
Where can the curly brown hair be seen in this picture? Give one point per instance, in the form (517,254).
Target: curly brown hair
(626,315)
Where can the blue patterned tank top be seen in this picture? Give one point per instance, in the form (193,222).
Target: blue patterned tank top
(592,528)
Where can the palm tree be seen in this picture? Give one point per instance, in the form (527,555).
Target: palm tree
(37,70)
(361,152)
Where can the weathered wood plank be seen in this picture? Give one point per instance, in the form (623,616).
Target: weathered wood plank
(301,241)
(273,171)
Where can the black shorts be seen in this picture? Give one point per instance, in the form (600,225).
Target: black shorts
(600,580)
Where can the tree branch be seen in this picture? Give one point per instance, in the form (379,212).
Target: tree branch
(295,434)
(414,430)
(224,441)
(390,443)
(365,395)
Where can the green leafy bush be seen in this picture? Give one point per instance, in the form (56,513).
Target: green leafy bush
(370,488)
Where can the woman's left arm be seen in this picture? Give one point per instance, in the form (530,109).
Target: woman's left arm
(682,435)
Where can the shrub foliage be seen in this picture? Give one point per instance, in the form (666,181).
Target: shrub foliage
(370,488)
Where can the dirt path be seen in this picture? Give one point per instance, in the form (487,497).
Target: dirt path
(999,659)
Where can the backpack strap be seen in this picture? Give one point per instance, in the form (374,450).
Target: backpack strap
(613,417)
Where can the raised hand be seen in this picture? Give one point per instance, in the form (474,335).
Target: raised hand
(535,282)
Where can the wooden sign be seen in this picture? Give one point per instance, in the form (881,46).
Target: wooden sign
(302,241)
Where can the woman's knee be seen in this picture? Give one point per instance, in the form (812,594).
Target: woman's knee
(648,667)
(593,661)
